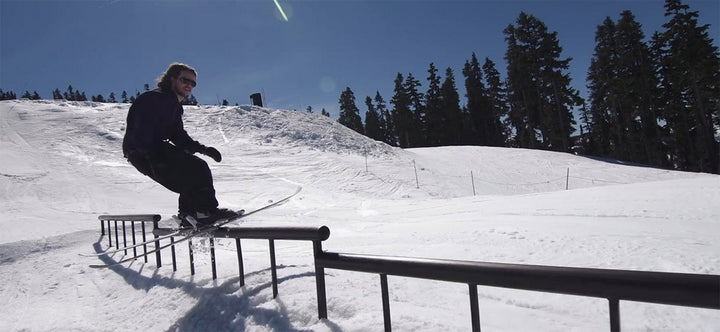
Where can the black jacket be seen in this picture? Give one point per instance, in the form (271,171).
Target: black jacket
(154,118)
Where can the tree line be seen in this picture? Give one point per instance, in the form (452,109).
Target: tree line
(655,103)
(72,94)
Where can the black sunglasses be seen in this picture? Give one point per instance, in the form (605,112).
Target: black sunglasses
(188,81)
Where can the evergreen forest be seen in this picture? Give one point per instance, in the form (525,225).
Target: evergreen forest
(654,102)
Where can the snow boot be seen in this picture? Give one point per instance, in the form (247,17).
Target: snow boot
(210,217)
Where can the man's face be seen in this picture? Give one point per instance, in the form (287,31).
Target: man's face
(183,85)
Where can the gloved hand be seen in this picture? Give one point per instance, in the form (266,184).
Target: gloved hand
(211,152)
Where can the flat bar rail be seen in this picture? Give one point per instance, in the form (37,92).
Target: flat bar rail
(692,290)
(314,234)
(681,289)
(132,219)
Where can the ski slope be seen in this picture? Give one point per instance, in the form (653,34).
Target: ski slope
(61,166)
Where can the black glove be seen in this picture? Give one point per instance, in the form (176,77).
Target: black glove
(211,152)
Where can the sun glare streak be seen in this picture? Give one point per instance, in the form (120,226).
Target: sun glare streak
(282,12)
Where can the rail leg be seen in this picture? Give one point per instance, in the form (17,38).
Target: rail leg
(212,257)
(273,268)
(192,258)
(386,302)
(614,315)
(134,241)
(124,237)
(172,253)
(109,234)
(320,282)
(117,238)
(474,308)
(241,269)
(158,258)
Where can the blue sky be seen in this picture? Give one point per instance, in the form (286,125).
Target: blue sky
(245,46)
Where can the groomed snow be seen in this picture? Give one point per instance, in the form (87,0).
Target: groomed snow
(61,166)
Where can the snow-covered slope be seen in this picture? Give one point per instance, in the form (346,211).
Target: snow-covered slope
(61,165)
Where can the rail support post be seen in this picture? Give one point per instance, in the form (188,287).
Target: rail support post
(614,315)
(320,281)
(273,269)
(474,308)
(385,302)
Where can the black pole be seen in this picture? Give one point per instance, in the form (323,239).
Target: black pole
(385,302)
(320,282)
(212,258)
(273,268)
(474,308)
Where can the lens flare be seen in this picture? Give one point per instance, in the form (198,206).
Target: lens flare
(280,9)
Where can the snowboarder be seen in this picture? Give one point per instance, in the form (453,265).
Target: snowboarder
(157,144)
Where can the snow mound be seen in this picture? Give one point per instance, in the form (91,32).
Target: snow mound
(288,129)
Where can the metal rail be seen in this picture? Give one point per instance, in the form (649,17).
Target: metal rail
(132,219)
(681,289)
(692,290)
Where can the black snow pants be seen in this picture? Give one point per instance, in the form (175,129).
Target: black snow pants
(180,172)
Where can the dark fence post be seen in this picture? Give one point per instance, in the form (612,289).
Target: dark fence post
(192,258)
(241,269)
(117,238)
(108,234)
(172,253)
(124,236)
(158,259)
(615,315)
(273,268)
(134,241)
(385,302)
(320,281)
(474,308)
(212,258)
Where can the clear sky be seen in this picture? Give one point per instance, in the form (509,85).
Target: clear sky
(245,46)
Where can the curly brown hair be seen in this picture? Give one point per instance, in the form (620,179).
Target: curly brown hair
(173,72)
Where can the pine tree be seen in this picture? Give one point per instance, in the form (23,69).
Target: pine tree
(111,98)
(477,105)
(452,130)
(57,95)
(602,138)
(435,118)
(124,97)
(540,94)
(417,111)
(690,83)
(325,113)
(349,113)
(70,94)
(402,116)
(372,121)
(638,92)
(7,95)
(386,124)
(497,103)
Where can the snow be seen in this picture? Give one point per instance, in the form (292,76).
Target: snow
(61,166)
